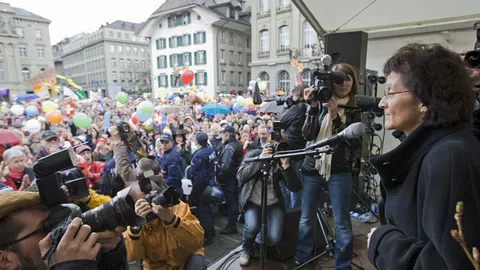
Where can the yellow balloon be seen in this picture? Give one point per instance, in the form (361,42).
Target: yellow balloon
(48,106)
(249,101)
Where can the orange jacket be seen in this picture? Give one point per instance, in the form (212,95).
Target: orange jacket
(166,247)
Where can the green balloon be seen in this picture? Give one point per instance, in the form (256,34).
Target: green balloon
(81,120)
(122,97)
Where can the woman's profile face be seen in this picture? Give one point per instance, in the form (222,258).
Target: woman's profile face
(342,90)
(402,109)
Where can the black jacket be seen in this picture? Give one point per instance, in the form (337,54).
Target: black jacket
(249,173)
(292,119)
(231,158)
(423,179)
(255,144)
(343,157)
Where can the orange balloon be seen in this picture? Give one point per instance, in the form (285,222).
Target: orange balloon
(54,117)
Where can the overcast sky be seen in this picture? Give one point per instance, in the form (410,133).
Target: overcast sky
(70,17)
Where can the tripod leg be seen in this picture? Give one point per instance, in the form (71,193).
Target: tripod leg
(365,204)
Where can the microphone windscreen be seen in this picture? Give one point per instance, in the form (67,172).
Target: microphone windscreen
(355,130)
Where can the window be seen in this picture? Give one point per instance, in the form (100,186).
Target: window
(284,81)
(144,64)
(309,39)
(114,63)
(201,78)
(38,34)
(222,56)
(119,35)
(120,49)
(222,36)
(249,58)
(162,61)
(26,74)
(122,76)
(127,36)
(127,50)
(174,60)
(142,52)
(175,80)
(122,64)
(137,64)
(186,40)
(223,77)
(284,3)
(239,39)
(264,43)
(240,78)
(20,32)
(263,6)
(173,42)
(307,76)
(129,63)
(230,37)
(201,58)
(112,48)
(41,52)
(231,57)
(186,59)
(232,78)
(23,50)
(240,56)
(2,74)
(284,38)
(110,34)
(248,42)
(265,77)
(163,81)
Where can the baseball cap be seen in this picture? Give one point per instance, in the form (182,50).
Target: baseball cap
(228,129)
(166,137)
(202,138)
(224,122)
(82,148)
(47,135)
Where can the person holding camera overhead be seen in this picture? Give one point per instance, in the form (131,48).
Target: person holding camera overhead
(334,171)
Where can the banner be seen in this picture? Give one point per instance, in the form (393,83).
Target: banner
(113,91)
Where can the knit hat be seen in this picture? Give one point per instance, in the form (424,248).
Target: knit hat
(16,200)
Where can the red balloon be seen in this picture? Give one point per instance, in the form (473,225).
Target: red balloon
(134,119)
(187,76)
(251,108)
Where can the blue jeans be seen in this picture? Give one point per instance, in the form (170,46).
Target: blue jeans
(340,189)
(195,262)
(293,199)
(253,225)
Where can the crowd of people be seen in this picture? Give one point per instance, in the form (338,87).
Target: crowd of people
(435,166)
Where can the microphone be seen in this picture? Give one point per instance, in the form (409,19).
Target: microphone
(355,130)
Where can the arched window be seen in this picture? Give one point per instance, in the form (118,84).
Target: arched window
(284,81)
(284,36)
(26,74)
(309,39)
(265,77)
(307,77)
(264,42)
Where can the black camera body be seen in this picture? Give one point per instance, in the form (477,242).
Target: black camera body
(58,180)
(284,99)
(472,58)
(278,145)
(323,80)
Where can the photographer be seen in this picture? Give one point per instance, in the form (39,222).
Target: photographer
(292,120)
(23,241)
(250,181)
(333,170)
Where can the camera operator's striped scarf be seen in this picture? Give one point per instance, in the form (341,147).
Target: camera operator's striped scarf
(324,163)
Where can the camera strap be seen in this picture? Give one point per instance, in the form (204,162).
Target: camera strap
(55,237)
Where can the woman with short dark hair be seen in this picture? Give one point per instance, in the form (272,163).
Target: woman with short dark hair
(429,98)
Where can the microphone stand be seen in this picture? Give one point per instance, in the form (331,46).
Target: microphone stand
(267,175)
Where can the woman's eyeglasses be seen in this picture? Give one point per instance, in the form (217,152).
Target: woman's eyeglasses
(389,95)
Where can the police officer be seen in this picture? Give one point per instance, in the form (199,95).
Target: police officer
(231,158)
(201,172)
(171,163)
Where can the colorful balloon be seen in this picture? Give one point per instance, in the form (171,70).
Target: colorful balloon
(17,109)
(54,117)
(262,85)
(134,119)
(252,84)
(48,106)
(31,110)
(122,97)
(32,126)
(187,76)
(145,110)
(82,120)
(240,100)
(249,101)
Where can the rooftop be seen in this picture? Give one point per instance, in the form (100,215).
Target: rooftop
(174,4)
(22,12)
(123,25)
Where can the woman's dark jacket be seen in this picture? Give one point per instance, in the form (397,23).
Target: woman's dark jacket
(292,119)
(345,152)
(249,173)
(423,179)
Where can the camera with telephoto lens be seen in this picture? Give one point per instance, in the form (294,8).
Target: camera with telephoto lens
(323,80)
(284,99)
(472,58)
(128,135)
(165,197)
(278,145)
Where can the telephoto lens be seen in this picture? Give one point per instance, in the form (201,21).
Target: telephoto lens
(120,211)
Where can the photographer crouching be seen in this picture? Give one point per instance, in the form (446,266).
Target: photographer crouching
(334,171)
(292,120)
(250,181)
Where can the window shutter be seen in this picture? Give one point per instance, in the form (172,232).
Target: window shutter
(189,39)
(170,42)
(205,78)
(158,61)
(204,37)
(179,20)
(188,17)
(196,58)
(196,78)
(158,45)
(172,81)
(179,41)
(159,82)
(164,41)
(180,59)
(194,38)
(166,80)
(171,61)
(204,57)
(180,83)
(169,22)
(190,58)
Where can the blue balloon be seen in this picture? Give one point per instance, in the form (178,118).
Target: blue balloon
(237,108)
(145,111)
(31,110)
(107,117)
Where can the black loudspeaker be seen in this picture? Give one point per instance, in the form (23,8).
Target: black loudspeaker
(350,48)
(288,243)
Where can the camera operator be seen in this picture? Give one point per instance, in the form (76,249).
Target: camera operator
(250,181)
(23,240)
(261,140)
(333,170)
(292,120)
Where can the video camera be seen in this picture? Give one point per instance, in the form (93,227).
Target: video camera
(128,135)
(324,79)
(472,58)
(278,145)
